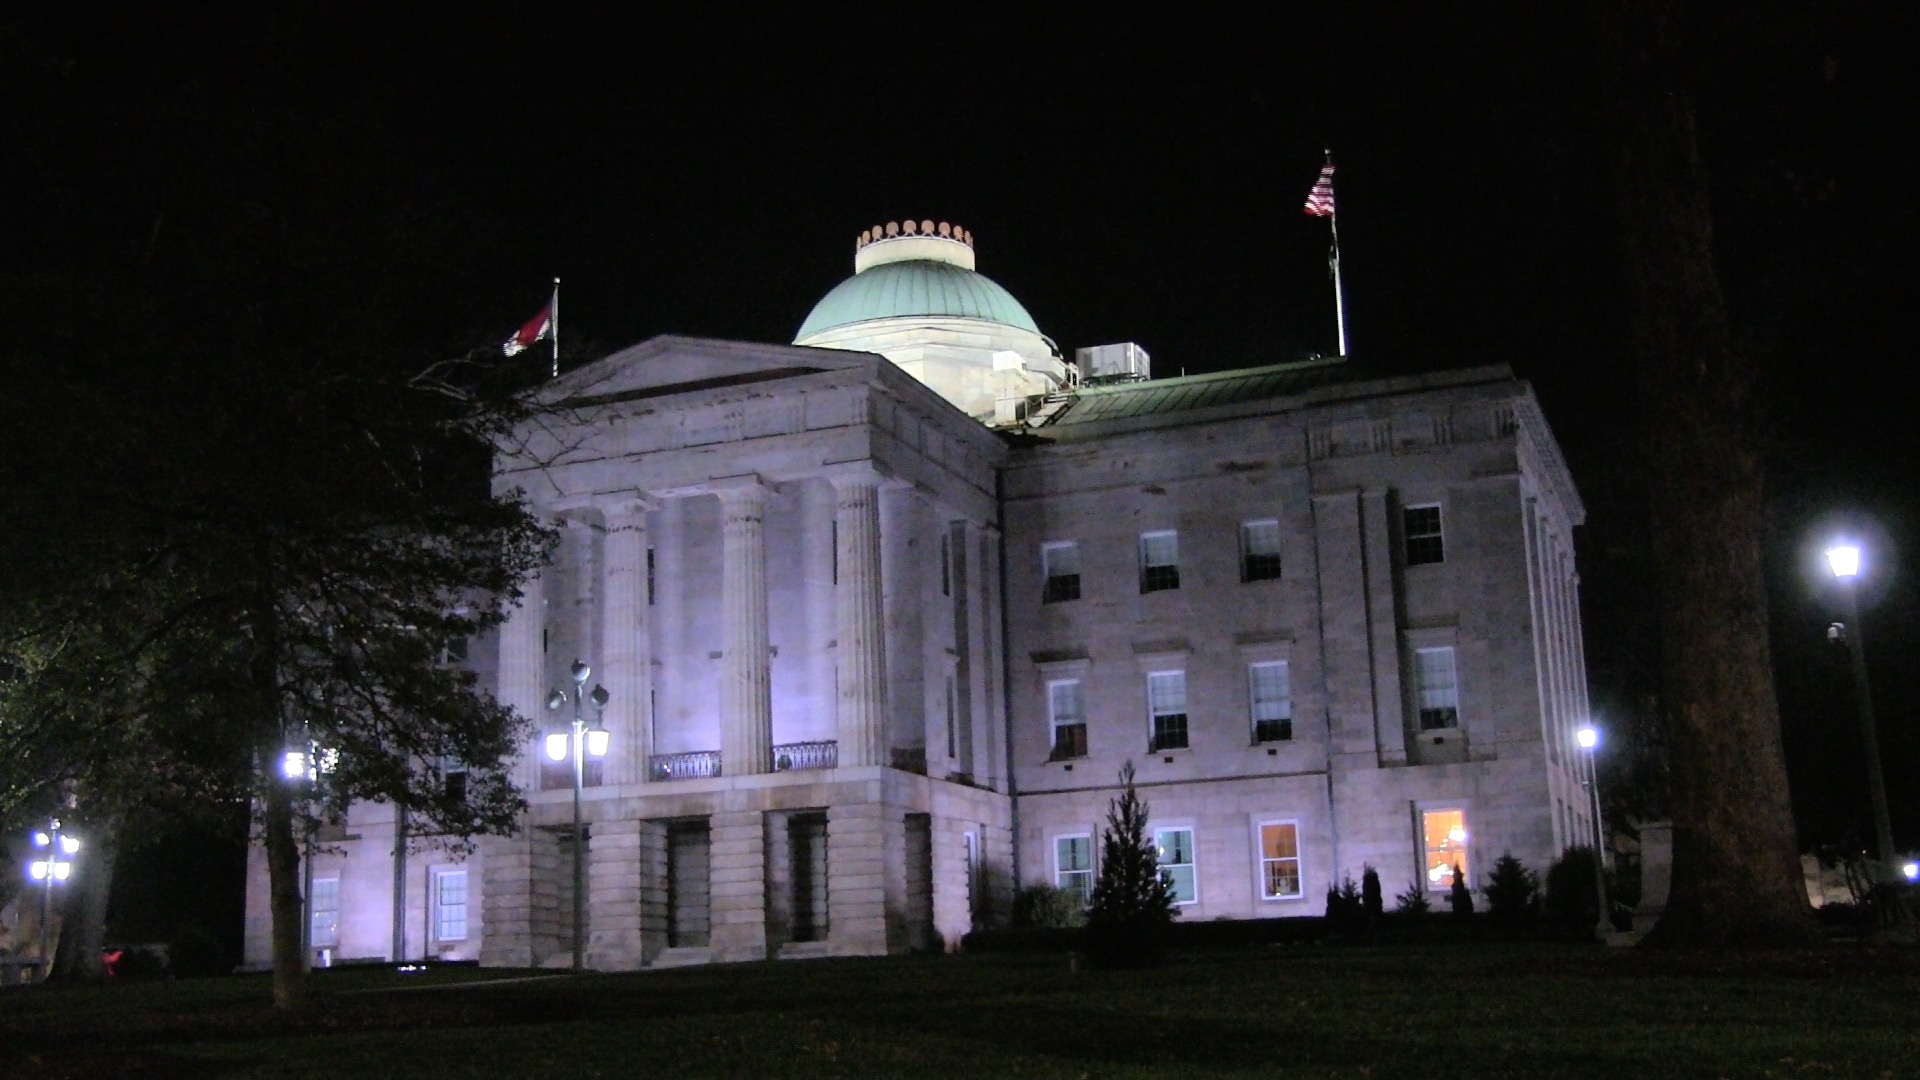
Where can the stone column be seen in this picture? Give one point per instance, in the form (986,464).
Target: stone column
(523,669)
(737,873)
(861,725)
(626,642)
(746,680)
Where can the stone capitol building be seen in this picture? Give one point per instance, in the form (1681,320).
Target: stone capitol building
(883,612)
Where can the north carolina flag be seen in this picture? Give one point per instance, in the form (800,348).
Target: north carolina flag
(1320,199)
(538,328)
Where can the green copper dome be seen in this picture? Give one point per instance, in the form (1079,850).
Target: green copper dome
(916,287)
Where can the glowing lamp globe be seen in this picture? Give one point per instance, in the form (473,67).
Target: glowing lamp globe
(1911,871)
(597,742)
(1844,561)
(1587,736)
(557,747)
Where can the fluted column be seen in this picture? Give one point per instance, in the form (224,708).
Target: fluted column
(860,623)
(746,686)
(626,641)
(523,669)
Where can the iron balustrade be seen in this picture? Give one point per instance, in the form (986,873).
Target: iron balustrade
(787,757)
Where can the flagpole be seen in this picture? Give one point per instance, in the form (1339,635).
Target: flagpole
(1333,263)
(553,316)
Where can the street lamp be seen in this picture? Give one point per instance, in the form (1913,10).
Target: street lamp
(306,765)
(1845,560)
(1588,737)
(50,871)
(581,743)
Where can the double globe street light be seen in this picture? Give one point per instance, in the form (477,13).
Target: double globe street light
(580,743)
(49,871)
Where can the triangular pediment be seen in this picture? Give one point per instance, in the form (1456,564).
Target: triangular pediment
(670,363)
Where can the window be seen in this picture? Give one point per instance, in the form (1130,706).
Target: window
(1167,708)
(1443,835)
(1438,689)
(1175,849)
(1159,561)
(450,905)
(323,913)
(1060,562)
(453,774)
(1421,528)
(650,577)
(1260,551)
(1067,709)
(1280,860)
(1073,866)
(1272,695)
(946,566)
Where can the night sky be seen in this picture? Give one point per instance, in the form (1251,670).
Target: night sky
(1143,181)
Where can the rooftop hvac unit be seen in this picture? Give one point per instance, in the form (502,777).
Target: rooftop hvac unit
(1124,362)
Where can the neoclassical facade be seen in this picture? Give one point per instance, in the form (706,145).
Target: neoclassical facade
(882,614)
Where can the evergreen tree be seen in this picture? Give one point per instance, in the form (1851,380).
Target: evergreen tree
(1459,897)
(1370,898)
(1513,894)
(1132,898)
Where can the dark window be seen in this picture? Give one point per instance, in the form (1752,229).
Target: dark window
(1169,732)
(649,576)
(1060,563)
(1159,561)
(1260,551)
(1421,525)
(1069,741)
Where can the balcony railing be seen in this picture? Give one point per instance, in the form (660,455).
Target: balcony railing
(787,757)
(792,757)
(689,766)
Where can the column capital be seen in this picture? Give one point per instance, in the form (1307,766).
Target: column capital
(744,488)
(862,473)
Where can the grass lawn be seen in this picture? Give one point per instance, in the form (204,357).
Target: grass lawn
(1494,1011)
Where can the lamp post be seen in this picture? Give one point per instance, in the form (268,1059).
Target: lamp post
(304,765)
(1844,559)
(50,871)
(582,742)
(1588,737)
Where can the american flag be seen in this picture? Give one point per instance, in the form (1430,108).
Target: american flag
(1320,199)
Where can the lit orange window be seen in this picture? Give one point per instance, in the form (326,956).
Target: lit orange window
(1444,833)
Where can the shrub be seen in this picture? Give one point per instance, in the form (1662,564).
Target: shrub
(1513,894)
(1413,903)
(1370,896)
(194,953)
(1459,897)
(1346,910)
(1132,898)
(1573,903)
(1047,906)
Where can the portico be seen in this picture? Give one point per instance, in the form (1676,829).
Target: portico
(728,558)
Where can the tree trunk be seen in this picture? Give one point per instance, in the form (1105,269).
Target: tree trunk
(83,921)
(284,901)
(1736,872)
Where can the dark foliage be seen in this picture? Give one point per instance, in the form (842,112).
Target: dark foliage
(1132,899)
(1513,895)
(1045,906)
(1572,905)
(194,953)
(1370,900)
(1459,897)
(1346,913)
